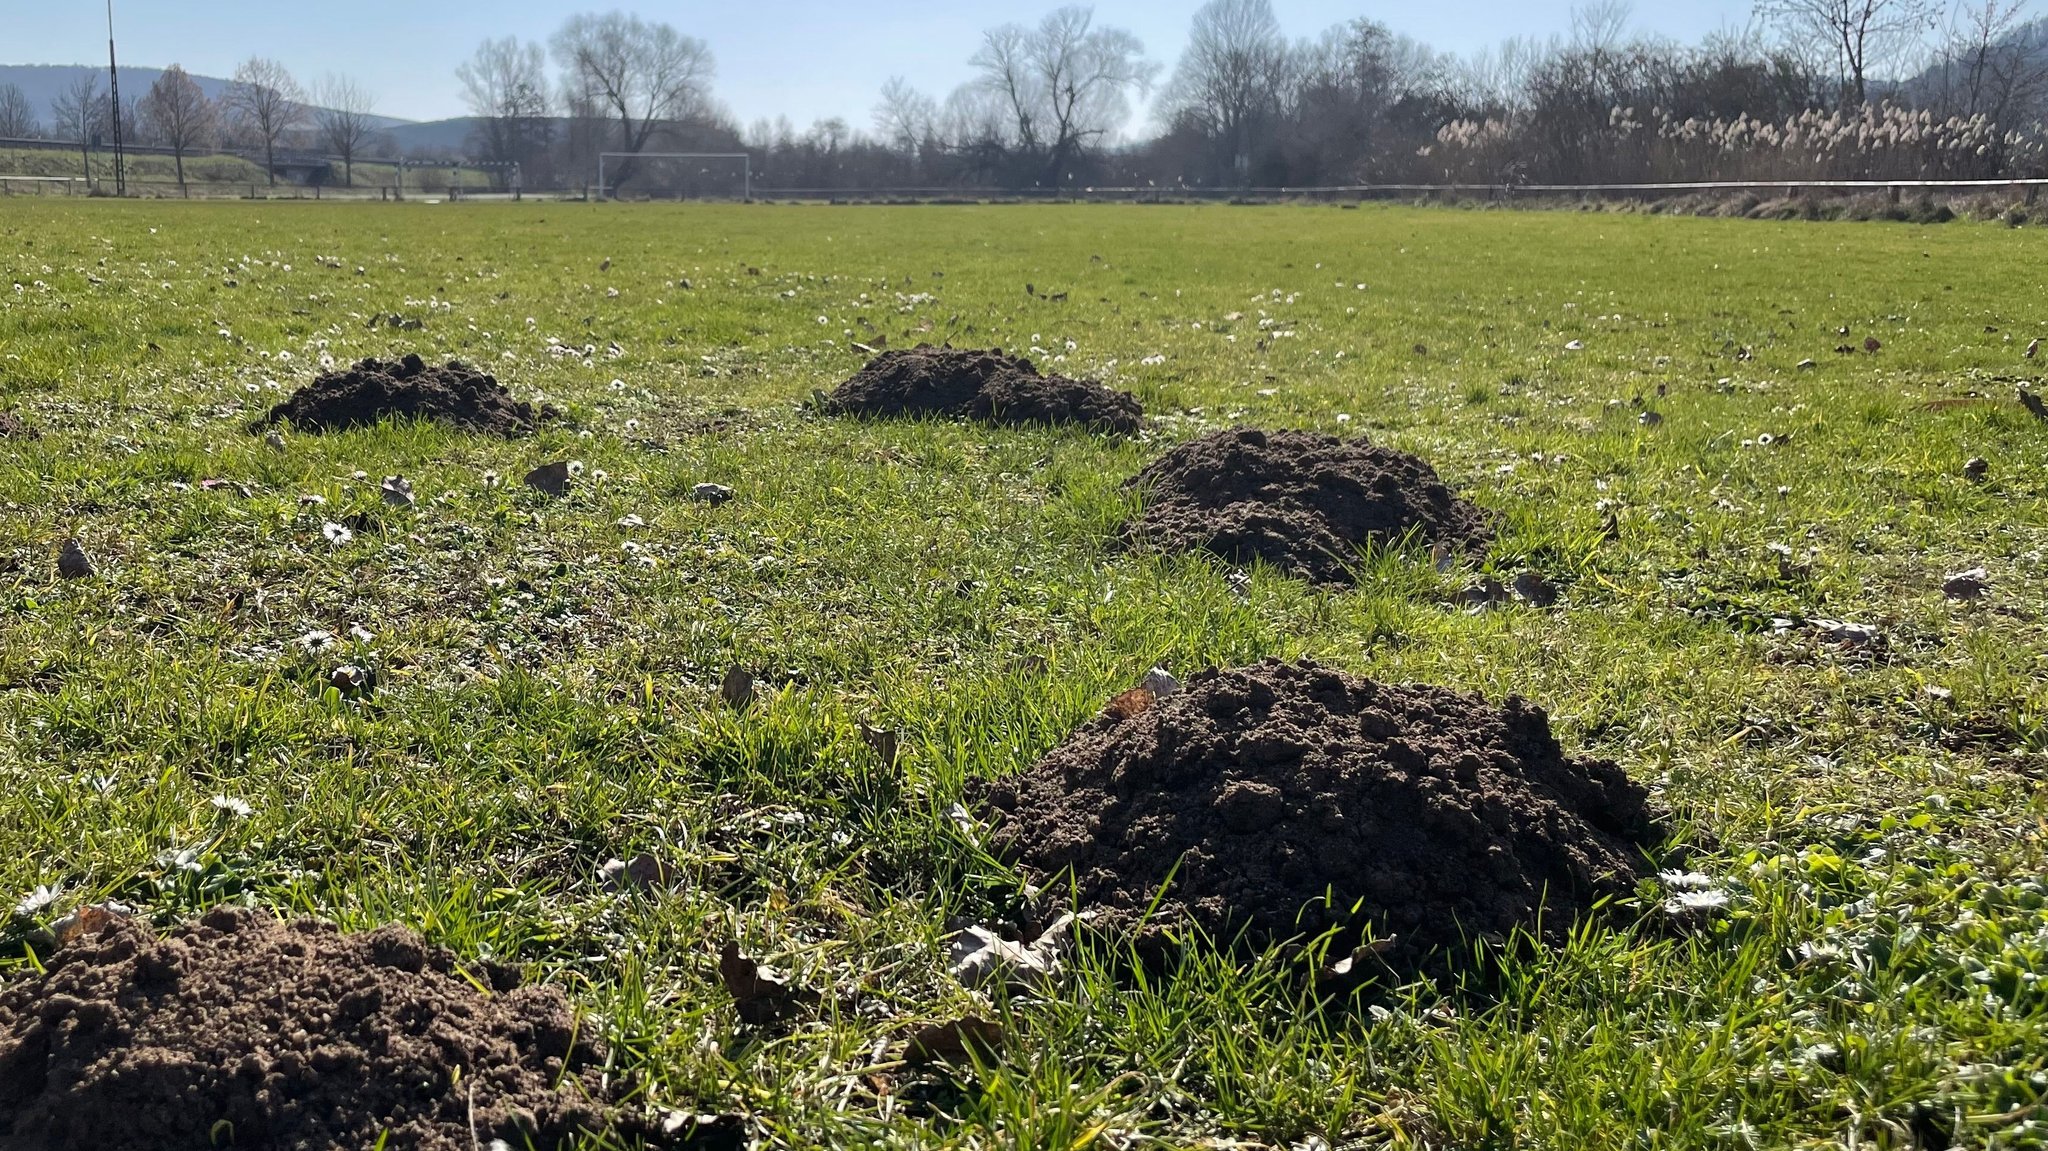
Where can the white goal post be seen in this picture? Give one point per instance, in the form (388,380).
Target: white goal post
(604,190)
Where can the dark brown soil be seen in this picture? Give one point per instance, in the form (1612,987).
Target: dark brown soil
(1303,502)
(981,385)
(12,427)
(296,1035)
(408,389)
(1278,796)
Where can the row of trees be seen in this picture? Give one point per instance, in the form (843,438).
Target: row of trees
(1813,88)
(264,109)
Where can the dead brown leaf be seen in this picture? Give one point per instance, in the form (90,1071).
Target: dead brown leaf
(956,1042)
(551,479)
(645,871)
(738,689)
(2034,404)
(883,742)
(89,920)
(702,1132)
(1481,596)
(759,993)
(1538,591)
(1131,704)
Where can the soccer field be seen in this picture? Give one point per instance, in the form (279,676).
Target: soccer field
(1738,450)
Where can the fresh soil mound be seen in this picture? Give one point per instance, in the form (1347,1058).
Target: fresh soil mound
(982,385)
(1276,797)
(243,1030)
(12,427)
(377,390)
(1301,501)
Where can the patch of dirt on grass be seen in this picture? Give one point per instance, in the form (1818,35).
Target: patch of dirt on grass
(1301,501)
(376,390)
(1275,797)
(982,385)
(12,427)
(242,1029)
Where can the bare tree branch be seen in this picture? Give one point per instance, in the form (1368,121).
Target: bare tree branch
(178,115)
(80,115)
(506,85)
(17,115)
(264,102)
(1066,84)
(647,75)
(1861,36)
(343,120)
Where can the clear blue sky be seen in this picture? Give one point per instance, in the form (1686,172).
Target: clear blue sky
(801,58)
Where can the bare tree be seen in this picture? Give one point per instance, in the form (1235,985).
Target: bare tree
(1359,95)
(1232,76)
(1994,61)
(265,103)
(506,85)
(646,75)
(17,115)
(179,116)
(1600,26)
(905,117)
(1007,75)
(1497,80)
(1067,83)
(80,115)
(343,120)
(1859,35)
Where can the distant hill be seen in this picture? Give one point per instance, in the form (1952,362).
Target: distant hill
(2031,37)
(435,136)
(44,83)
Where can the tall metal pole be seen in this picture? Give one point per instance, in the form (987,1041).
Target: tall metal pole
(114,82)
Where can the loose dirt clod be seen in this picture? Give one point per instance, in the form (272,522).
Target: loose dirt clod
(1301,501)
(377,390)
(1276,797)
(982,385)
(12,427)
(286,1035)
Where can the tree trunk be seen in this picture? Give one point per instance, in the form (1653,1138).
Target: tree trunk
(270,160)
(178,155)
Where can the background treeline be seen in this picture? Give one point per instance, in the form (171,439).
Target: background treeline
(1809,89)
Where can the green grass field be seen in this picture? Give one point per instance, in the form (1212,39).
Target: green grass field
(549,678)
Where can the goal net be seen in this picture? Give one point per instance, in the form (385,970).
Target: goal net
(675,176)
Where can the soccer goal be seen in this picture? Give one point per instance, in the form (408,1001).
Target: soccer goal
(675,175)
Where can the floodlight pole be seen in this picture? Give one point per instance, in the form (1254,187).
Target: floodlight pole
(114,101)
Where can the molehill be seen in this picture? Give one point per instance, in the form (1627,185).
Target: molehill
(980,385)
(1277,796)
(1301,501)
(408,389)
(285,1035)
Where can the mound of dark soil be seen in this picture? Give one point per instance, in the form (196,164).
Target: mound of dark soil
(1300,501)
(241,1030)
(1276,797)
(376,390)
(982,385)
(12,427)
